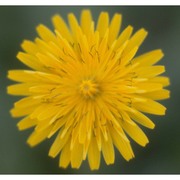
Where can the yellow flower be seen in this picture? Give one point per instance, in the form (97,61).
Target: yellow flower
(87,86)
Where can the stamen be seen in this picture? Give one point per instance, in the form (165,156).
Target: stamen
(89,88)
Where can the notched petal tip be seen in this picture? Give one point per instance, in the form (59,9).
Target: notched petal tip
(160,51)
(55,17)
(130,158)
(168,82)
(50,154)
(40,28)
(21,126)
(63,166)
(10,74)
(19,55)
(45,33)
(13,114)
(9,90)
(31,144)
(145,143)
(142,33)
(85,12)
(11,111)
(151,126)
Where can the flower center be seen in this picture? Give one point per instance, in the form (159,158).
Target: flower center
(89,88)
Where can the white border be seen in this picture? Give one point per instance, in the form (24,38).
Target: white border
(89,2)
(89,177)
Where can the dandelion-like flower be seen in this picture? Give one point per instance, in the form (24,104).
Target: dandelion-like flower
(87,86)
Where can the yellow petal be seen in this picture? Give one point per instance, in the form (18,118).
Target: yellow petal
(108,150)
(42,125)
(32,77)
(103,45)
(158,95)
(150,71)
(122,144)
(84,48)
(124,36)
(19,89)
(45,33)
(97,133)
(48,113)
(82,131)
(135,133)
(39,110)
(26,123)
(30,61)
(65,156)
(50,62)
(93,40)
(86,21)
(102,24)
(149,58)
(58,144)
(94,155)
(22,76)
(76,155)
(148,87)
(161,79)
(59,122)
(151,107)
(124,117)
(128,57)
(44,47)
(85,148)
(26,102)
(136,40)
(75,134)
(61,27)
(18,112)
(37,137)
(30,47)
(69,54)
(73,24)
(114,27)
(42,89)
(141,119)
(107,67)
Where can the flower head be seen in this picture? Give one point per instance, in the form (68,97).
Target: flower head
(87,86)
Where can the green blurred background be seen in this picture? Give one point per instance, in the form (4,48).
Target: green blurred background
(161,155)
